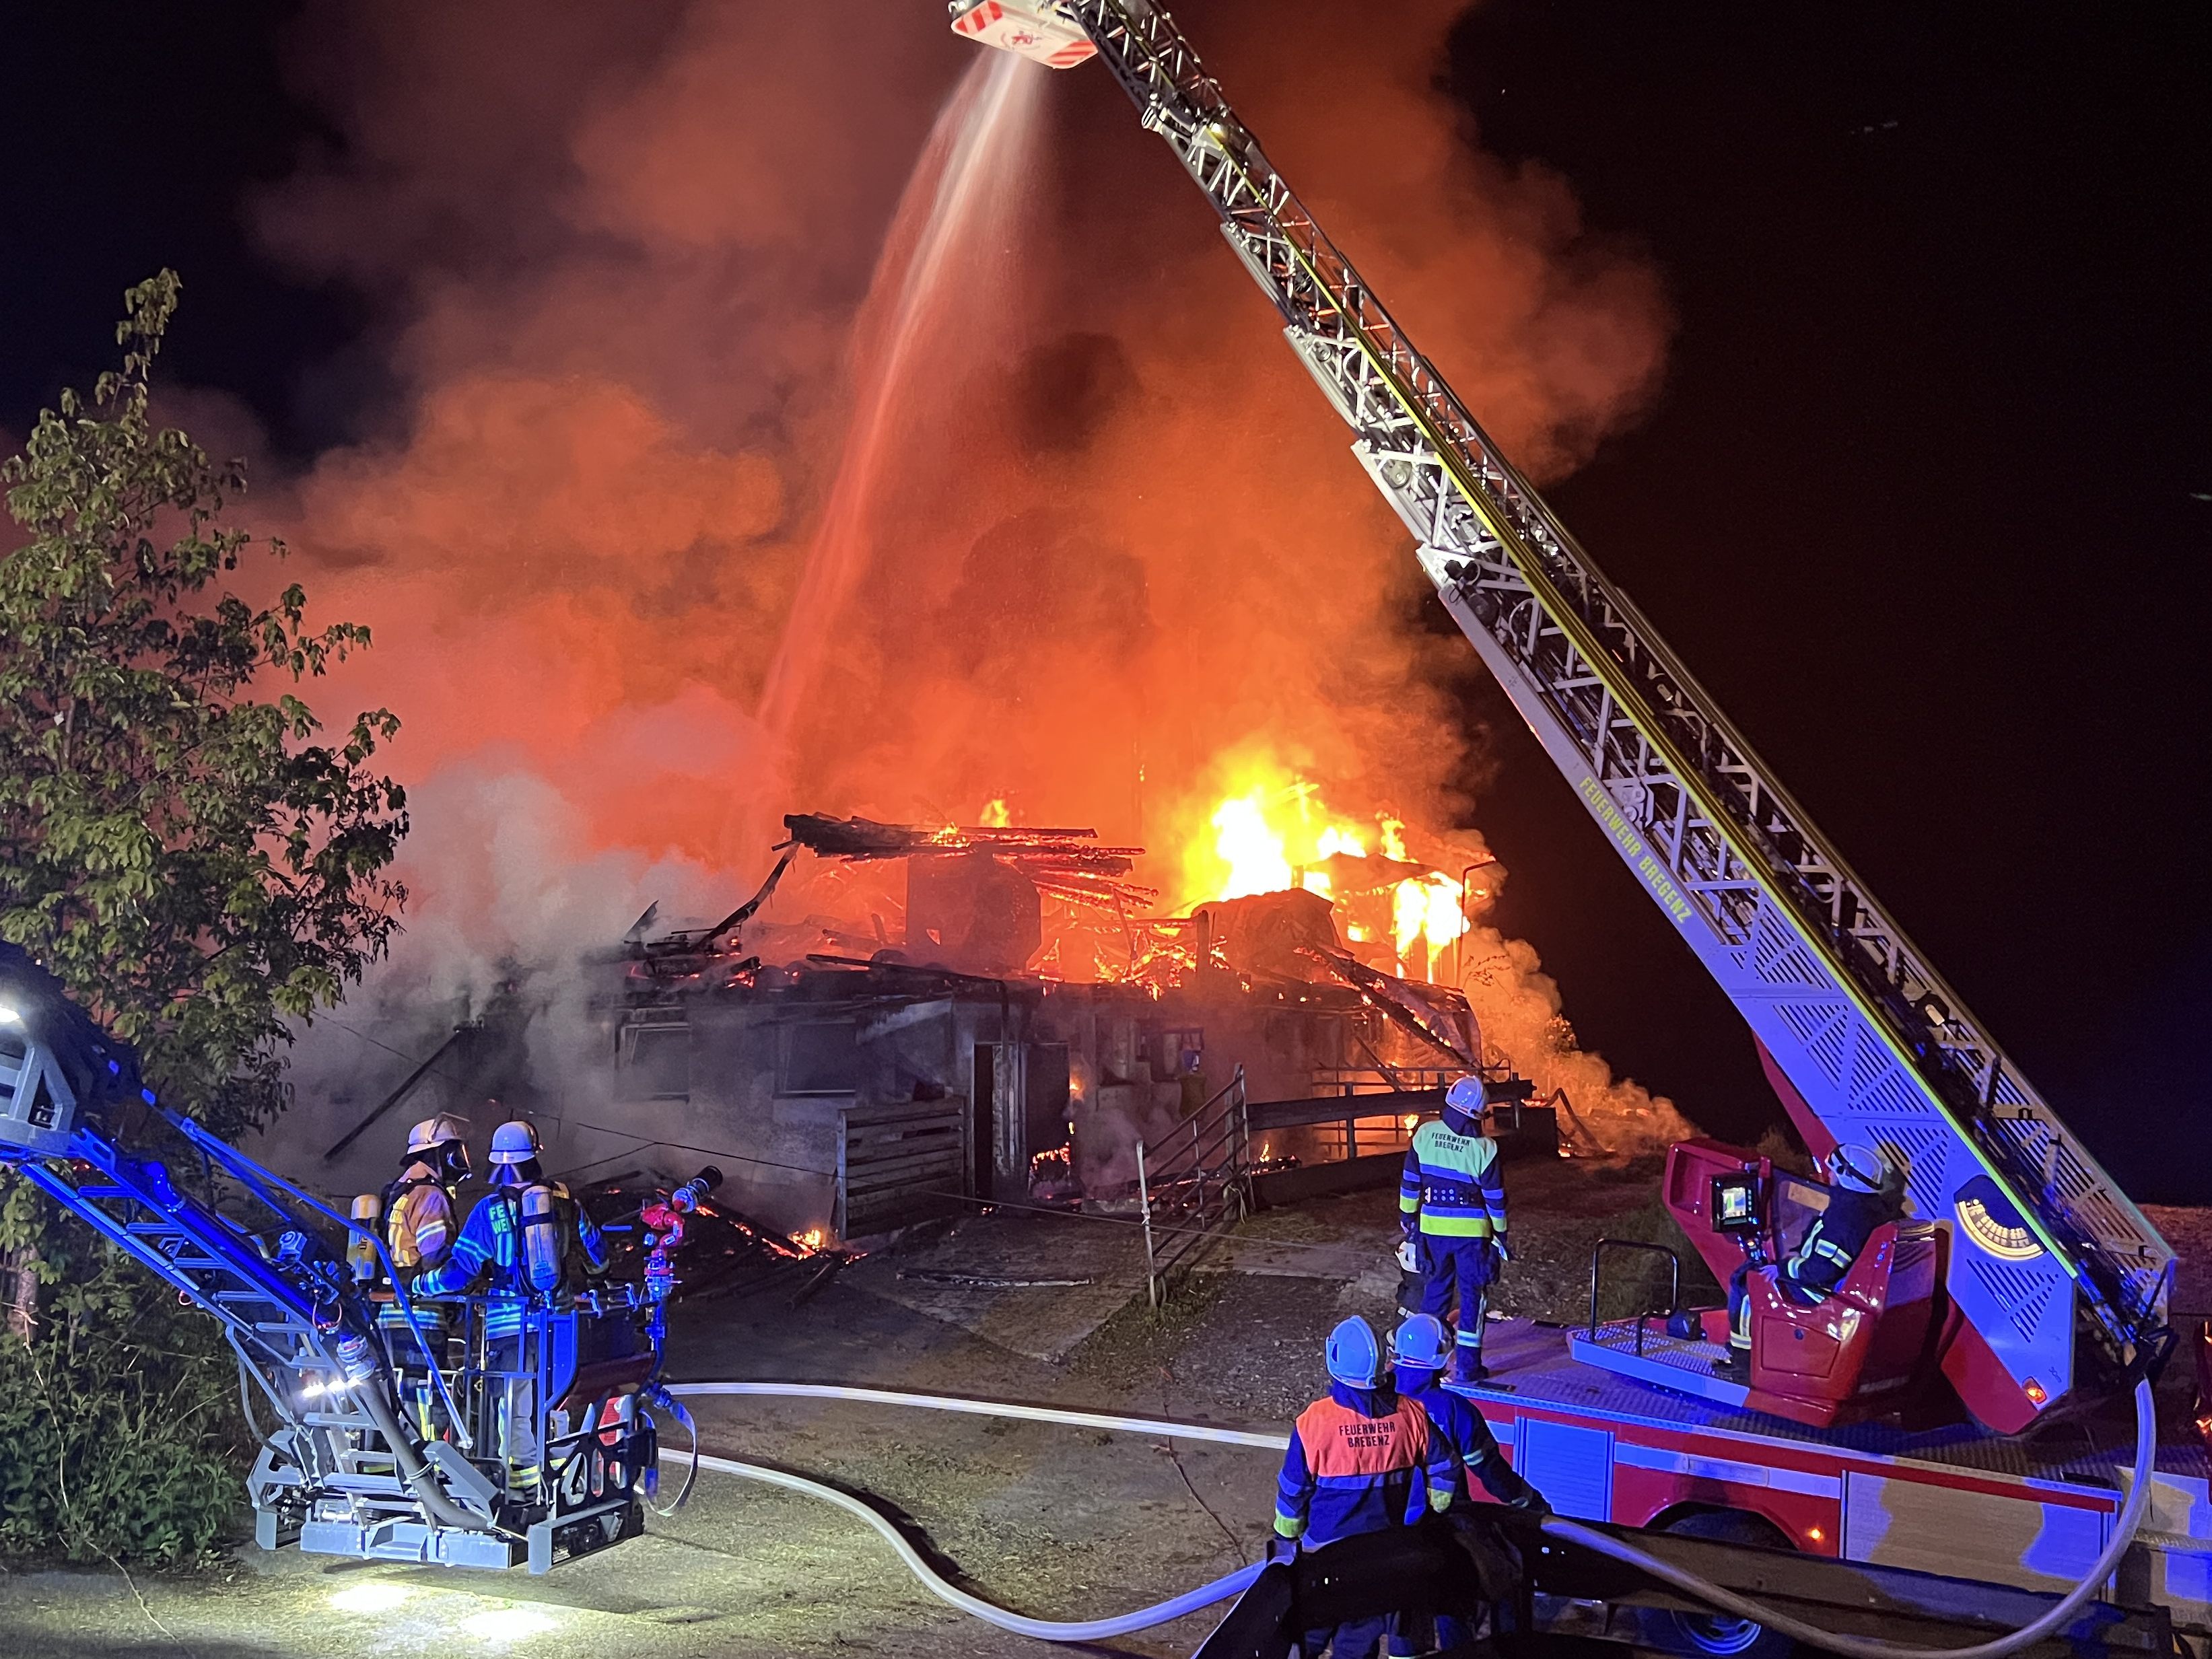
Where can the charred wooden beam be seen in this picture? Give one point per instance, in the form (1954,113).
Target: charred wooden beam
(1068,850)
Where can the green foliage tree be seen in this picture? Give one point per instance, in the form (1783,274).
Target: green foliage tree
(197,864)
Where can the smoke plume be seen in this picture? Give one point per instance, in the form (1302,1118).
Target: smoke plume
(1112,535)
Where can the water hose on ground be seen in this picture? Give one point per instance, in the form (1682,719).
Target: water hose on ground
(1045,1630)
(946,1402)
(1849,1647)
(657,1398)
(1854,1647)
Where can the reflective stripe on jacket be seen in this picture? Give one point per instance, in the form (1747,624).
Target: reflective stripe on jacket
(488,1243)
(1453,1182)
(419,1226)
(1460,1423)
(491,1241)
(1833,1242)
(1360,1460)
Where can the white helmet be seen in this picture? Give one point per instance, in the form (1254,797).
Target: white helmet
(1858,1169)
(434,1132)
(514,1142)
(1466,1096)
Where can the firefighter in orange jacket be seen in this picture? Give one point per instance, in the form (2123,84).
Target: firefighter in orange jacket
(1361,1458)
(421,1222)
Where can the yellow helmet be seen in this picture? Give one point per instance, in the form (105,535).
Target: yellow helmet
(432,1133)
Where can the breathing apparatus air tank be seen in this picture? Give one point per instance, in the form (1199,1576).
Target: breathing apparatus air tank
(361,1247)
(541,1239)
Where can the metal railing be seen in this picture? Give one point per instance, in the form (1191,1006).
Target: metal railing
(1193,1184)
(1673,1284)
(1379,1078)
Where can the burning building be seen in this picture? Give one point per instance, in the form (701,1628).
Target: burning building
(803,524)
(907,1019)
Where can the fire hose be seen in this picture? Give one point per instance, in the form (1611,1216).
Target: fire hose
(1220,1589)
(1045,1630)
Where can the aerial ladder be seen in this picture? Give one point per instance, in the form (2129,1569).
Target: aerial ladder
(341,1469)
(2055,1286)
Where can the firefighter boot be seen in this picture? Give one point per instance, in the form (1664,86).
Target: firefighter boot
(1735,1367)
(1467,1368)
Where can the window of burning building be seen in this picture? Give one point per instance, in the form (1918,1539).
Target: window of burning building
(656,1062)
(821,1057)
(1170,1054)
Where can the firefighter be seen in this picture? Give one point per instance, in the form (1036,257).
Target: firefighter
(1362,1458)
(1420,1352)
(534,1244)
(1865,1191)
(1451,1202)
(420,1222)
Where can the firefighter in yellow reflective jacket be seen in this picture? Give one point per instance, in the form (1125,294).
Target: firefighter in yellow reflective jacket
(420,1222)
(1451,1202)
(535,1243)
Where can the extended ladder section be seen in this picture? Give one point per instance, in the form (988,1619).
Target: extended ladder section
(287,1303)
(2044,1247)
(135,1207)
(325,1439)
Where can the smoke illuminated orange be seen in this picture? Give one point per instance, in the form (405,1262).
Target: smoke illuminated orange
(1120,540)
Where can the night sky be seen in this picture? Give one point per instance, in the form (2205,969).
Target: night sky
(1926,500)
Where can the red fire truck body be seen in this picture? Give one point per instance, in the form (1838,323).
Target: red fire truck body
(1955,1500)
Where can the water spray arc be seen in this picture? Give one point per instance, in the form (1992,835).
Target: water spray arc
(960,201)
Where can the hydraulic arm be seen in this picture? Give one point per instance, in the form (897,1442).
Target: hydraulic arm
(2048,1262)
(341,1469)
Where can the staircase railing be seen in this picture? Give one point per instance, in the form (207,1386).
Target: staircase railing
(1193,1183)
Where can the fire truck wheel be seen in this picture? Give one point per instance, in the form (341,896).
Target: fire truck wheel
(1720,1634)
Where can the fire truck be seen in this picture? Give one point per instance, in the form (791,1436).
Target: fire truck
(1951,1407)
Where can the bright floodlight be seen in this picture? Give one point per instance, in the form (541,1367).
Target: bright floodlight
(8,1016)
(373,1597)
(506,1624)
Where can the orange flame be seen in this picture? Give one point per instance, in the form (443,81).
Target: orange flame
(1270,828)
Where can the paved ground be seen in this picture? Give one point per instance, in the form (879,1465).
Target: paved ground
(1057,1523)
